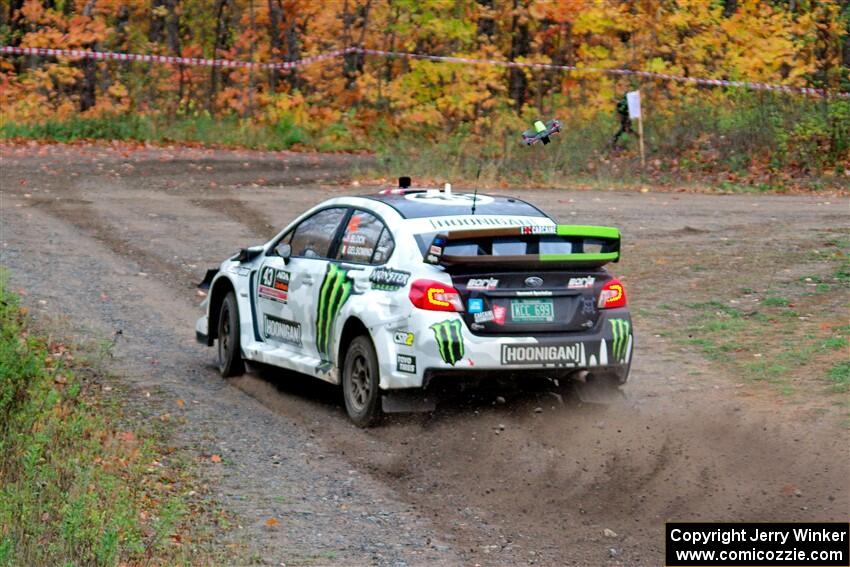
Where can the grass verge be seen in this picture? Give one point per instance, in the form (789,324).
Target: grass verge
(201,129)
(791,331)
(740,143)
(744,144)
(80,484)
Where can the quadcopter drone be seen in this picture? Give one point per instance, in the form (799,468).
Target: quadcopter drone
(541,132)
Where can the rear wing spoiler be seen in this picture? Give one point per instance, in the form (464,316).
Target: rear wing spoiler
(590,247)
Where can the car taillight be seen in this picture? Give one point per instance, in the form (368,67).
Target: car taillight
(613,295)
(435,296)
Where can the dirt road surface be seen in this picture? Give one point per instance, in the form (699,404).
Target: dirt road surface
(109,243)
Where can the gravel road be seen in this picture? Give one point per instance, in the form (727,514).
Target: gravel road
(110,241)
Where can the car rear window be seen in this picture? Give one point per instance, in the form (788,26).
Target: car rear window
(555,245)
(509,247)
(512,245)
(439,204)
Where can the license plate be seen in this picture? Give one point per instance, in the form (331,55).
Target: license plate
(532,311)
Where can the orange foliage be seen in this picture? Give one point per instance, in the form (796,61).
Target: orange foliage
(753,40)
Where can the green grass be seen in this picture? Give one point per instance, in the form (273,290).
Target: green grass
(690,143)
(768,341)
(839,374)
(835,343)
(202,129)
(77,483)
(775,302)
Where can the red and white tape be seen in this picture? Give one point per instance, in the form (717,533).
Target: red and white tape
(111,55)
(626,72)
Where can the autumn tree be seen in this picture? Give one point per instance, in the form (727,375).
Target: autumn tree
(792,42)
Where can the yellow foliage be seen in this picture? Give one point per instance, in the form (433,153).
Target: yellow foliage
(757,41)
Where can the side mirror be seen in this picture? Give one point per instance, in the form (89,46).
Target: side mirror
(284,250)
(248,254)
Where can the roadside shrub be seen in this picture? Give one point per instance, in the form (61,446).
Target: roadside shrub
(76,482)
(19,364)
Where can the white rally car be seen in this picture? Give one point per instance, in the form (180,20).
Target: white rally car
(383,293)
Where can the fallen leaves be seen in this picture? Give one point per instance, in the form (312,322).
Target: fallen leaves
(126,436)
(124,479)
(272,522)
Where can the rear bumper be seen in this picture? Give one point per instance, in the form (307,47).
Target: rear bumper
(619,372)
(444,345)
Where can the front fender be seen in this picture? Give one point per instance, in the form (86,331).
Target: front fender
(221,284)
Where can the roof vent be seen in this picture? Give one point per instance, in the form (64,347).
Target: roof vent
(404,182)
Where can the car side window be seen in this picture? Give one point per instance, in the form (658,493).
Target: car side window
(313,236)
(361,238)
(385,247)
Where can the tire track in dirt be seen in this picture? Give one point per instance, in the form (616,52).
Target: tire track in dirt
(107,219)
(273,467)
(497,481)
(255,221)
(551,482)
(77,213)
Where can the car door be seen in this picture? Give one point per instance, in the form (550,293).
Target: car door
(287,288)
(363,242)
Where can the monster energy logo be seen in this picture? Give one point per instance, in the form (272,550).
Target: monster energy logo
(449,340)
(620,332)
(333,294)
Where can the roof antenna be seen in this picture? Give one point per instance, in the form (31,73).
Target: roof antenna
(475,192)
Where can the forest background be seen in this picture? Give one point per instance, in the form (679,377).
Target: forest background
(454,121)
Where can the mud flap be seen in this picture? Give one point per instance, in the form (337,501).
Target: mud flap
(404,401)
(208,278)
(202,338)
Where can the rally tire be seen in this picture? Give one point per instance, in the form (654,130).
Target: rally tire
(361,382)
(230,361)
